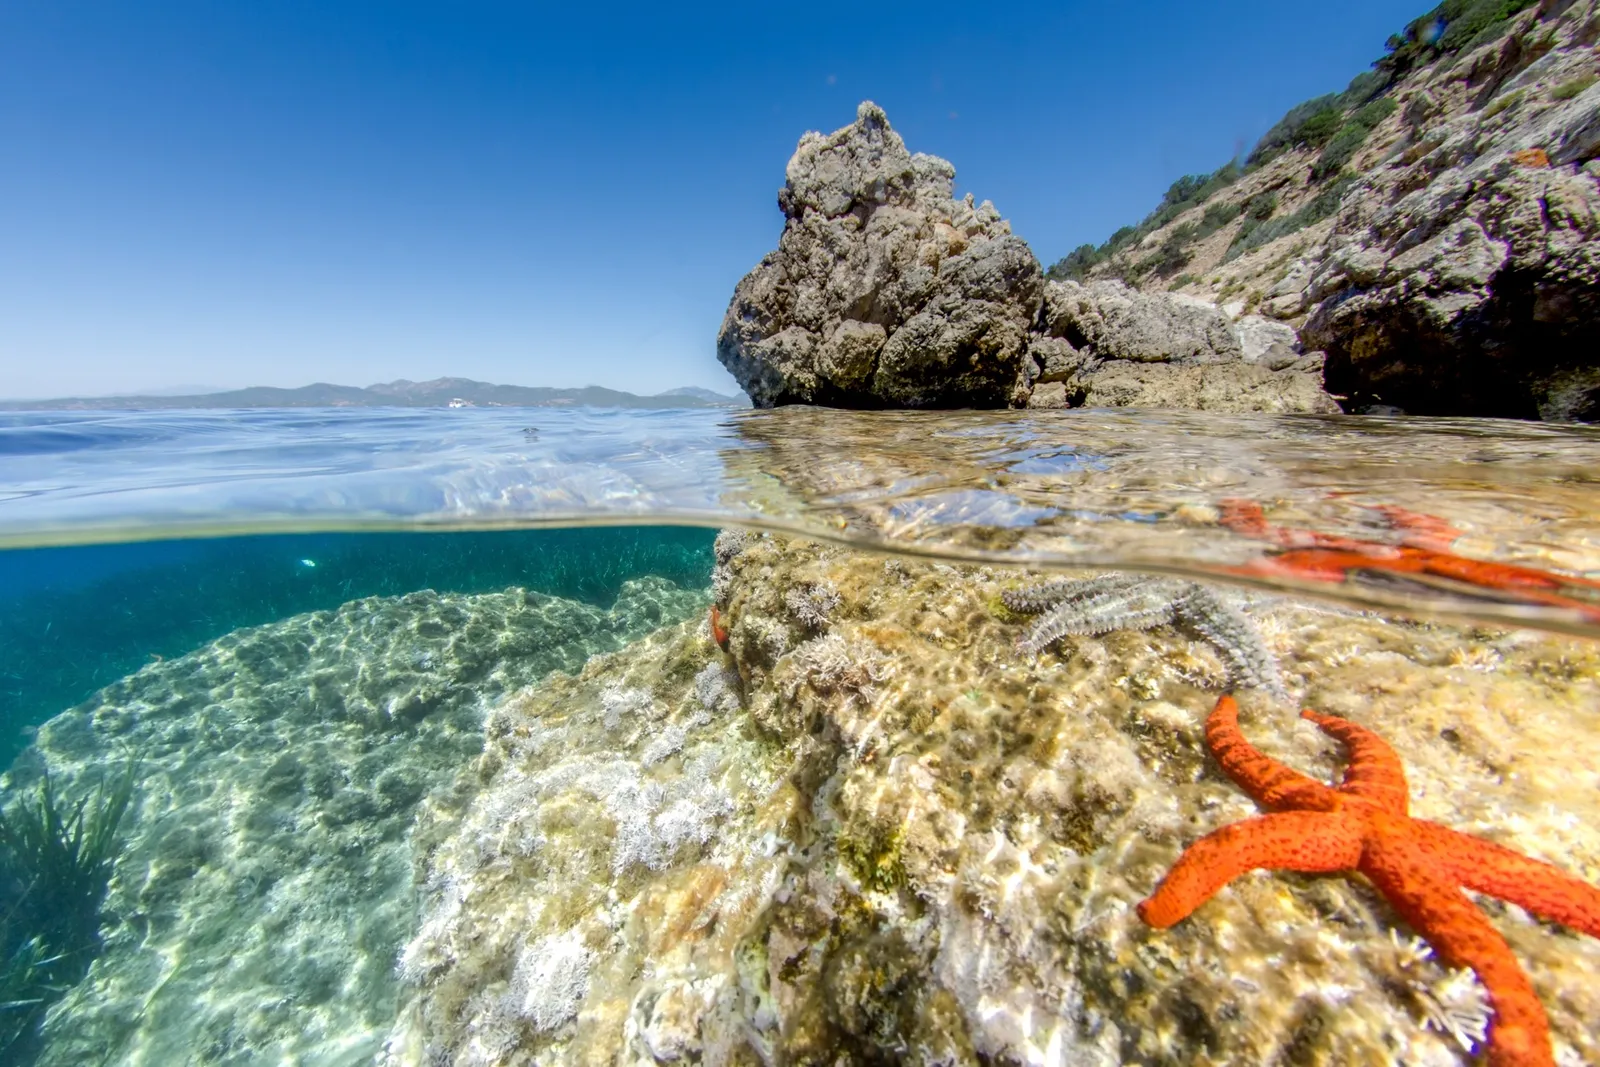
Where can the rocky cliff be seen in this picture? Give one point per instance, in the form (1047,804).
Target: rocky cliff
(1432,228)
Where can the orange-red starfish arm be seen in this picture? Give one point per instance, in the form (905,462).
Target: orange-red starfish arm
(1519,1036)
(1268,782)
(1486,867)
(1309,841)
(1424,531)
(1375,772)
(1421,868)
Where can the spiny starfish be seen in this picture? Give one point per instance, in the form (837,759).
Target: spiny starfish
(1421,867)
(1117,601)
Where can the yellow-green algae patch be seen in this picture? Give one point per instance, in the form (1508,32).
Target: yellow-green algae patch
(933,846)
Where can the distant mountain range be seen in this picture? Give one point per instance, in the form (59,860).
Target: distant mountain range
(439,393)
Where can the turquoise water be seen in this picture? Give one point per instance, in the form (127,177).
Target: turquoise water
(284,660)
(75,618)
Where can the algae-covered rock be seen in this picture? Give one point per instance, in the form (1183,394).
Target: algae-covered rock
(866,821)
(932,845)
(627,831)
(265,888)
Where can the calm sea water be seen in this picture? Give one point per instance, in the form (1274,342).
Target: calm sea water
(184,595)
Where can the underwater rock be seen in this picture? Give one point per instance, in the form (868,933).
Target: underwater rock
(266,884)
(884,292)
(582,843)
(931,850)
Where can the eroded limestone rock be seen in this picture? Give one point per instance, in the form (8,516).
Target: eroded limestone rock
(1105,345)
(884,290)
(1464,277)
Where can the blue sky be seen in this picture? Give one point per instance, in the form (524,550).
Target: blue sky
(229,194)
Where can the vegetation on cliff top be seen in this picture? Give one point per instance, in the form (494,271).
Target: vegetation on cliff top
(1337,124)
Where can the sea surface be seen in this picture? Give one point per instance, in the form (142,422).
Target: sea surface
(251,663)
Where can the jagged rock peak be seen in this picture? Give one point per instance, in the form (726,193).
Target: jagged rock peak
(884,291)
(861,166)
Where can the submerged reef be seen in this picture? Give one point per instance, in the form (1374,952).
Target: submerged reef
(839,820)
(265,884)
(870,833)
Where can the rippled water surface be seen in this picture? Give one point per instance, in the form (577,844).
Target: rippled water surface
(1081,488)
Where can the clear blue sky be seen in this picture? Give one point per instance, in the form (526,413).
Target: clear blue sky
(231,194)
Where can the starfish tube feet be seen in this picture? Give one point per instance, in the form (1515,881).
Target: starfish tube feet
(1519,1035)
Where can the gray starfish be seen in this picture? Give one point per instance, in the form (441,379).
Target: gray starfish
(1135,602)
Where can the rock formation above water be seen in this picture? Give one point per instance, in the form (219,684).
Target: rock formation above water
(1106,345)
(1463,277)
(887,292)
(884,291)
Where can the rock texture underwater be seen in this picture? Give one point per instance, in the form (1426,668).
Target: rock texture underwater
(883,820)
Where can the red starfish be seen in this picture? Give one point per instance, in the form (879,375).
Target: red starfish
(1421,867)
(1423,554)
(719,629)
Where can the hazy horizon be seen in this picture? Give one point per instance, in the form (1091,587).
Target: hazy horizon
(208,390)
(280,195)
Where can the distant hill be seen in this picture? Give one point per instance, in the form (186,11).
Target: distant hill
(441,392)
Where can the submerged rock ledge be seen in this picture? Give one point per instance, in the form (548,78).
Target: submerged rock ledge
(266,885)
(871,832)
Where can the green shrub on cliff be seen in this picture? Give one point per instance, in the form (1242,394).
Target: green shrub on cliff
(1216,217)
(1569,89)
(1336,123)
(1171,258)
(1453,26)
(1074,266)
(1289,130)
(1255,233)
(1373,114)
(1364,86)
(1320,128)
(1504,103)
(1189,191)
(1351,136)
(1261,206)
